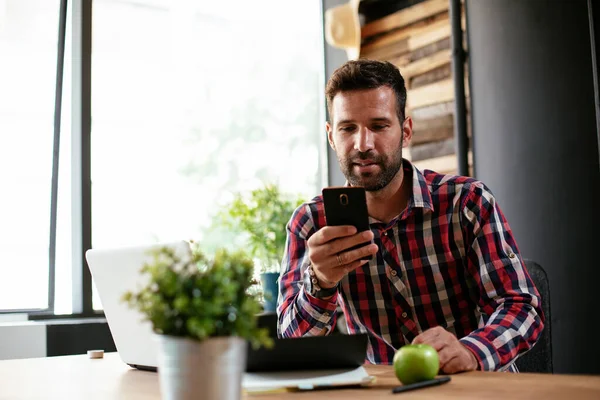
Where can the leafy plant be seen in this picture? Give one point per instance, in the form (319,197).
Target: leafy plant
(199,297)
(262,216)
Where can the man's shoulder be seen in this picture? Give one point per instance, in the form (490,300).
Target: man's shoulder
(451,185)
(436,179)
(313,205)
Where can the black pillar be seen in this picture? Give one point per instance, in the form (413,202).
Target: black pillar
(334,58)
(536,146)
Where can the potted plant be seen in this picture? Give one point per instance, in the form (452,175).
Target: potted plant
(203,314)
(262,217)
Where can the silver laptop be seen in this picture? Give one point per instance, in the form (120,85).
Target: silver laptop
(116,271)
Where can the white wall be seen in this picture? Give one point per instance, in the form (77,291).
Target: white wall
(22,340)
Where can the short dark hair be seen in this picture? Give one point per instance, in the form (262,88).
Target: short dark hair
(367,74)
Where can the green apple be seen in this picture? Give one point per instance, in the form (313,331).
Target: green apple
(416,363)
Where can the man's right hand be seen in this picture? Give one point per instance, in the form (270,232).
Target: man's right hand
(329,255)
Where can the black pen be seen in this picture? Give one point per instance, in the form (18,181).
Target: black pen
(418,385)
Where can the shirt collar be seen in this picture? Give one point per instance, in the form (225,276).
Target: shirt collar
(421,194)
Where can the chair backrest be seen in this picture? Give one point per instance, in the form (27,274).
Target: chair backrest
(539,359)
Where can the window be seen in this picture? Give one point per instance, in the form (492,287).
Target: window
(191,102)
(28,50)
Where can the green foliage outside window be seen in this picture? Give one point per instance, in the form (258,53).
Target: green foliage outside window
(262,216)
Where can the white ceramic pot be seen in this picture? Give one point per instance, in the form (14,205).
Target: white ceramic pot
(210,370)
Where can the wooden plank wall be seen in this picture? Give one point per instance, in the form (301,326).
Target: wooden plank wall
(417,40)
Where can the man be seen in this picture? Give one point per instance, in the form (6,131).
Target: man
(445,269)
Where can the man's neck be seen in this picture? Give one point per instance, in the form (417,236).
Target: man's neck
(387,203)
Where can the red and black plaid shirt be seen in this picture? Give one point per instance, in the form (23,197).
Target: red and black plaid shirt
(449,259)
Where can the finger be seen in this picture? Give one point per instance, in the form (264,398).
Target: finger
(341,258)
(453,365)
(427,336)
(352,266)
(319,244)
(337,274)
(437,343)
(446,354)
(341,244)
(328,233)
(350,256)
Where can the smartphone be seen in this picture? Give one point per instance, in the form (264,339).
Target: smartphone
(419,385)
(347,205)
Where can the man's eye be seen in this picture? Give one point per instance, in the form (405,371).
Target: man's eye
(379,127)
(347,128)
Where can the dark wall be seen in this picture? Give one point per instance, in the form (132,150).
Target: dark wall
(536,146)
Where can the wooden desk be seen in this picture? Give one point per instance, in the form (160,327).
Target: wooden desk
(77,377)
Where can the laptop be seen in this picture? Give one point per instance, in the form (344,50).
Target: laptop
(117,270)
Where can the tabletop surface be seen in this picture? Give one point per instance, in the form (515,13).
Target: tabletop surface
(79,377)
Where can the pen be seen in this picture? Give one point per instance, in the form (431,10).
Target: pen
(418,385)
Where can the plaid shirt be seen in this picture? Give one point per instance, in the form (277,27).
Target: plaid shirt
(449,259)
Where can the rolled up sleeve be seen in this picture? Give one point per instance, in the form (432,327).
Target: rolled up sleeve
(299,313)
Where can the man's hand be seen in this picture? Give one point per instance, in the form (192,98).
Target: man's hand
(328,254)
(454,356)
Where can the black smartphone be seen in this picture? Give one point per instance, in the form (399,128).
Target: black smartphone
(347,205)
(419,385)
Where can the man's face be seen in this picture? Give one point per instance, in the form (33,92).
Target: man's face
(367,136)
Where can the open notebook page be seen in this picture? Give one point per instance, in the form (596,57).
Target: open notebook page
(260,381)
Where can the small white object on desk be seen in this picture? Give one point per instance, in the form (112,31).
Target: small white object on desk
(95,353)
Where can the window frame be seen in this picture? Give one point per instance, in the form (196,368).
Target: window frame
(80,179)
(81,211)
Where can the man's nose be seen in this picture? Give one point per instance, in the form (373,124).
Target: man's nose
(364,140)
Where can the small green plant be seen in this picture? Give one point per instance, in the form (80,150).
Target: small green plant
(200,298)
(262,216)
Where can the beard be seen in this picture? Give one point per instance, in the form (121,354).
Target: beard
(371,181)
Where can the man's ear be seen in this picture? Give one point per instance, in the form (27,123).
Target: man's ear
(407,131)
(329,129)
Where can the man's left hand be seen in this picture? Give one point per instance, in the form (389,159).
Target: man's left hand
(454,356)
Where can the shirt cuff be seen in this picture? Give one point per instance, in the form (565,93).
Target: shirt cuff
(485,353)
(319,313)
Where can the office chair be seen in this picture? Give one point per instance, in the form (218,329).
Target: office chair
(539,359)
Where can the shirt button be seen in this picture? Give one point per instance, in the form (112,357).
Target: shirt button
(326,314)
(512,255)
(394,273)
(404,315)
